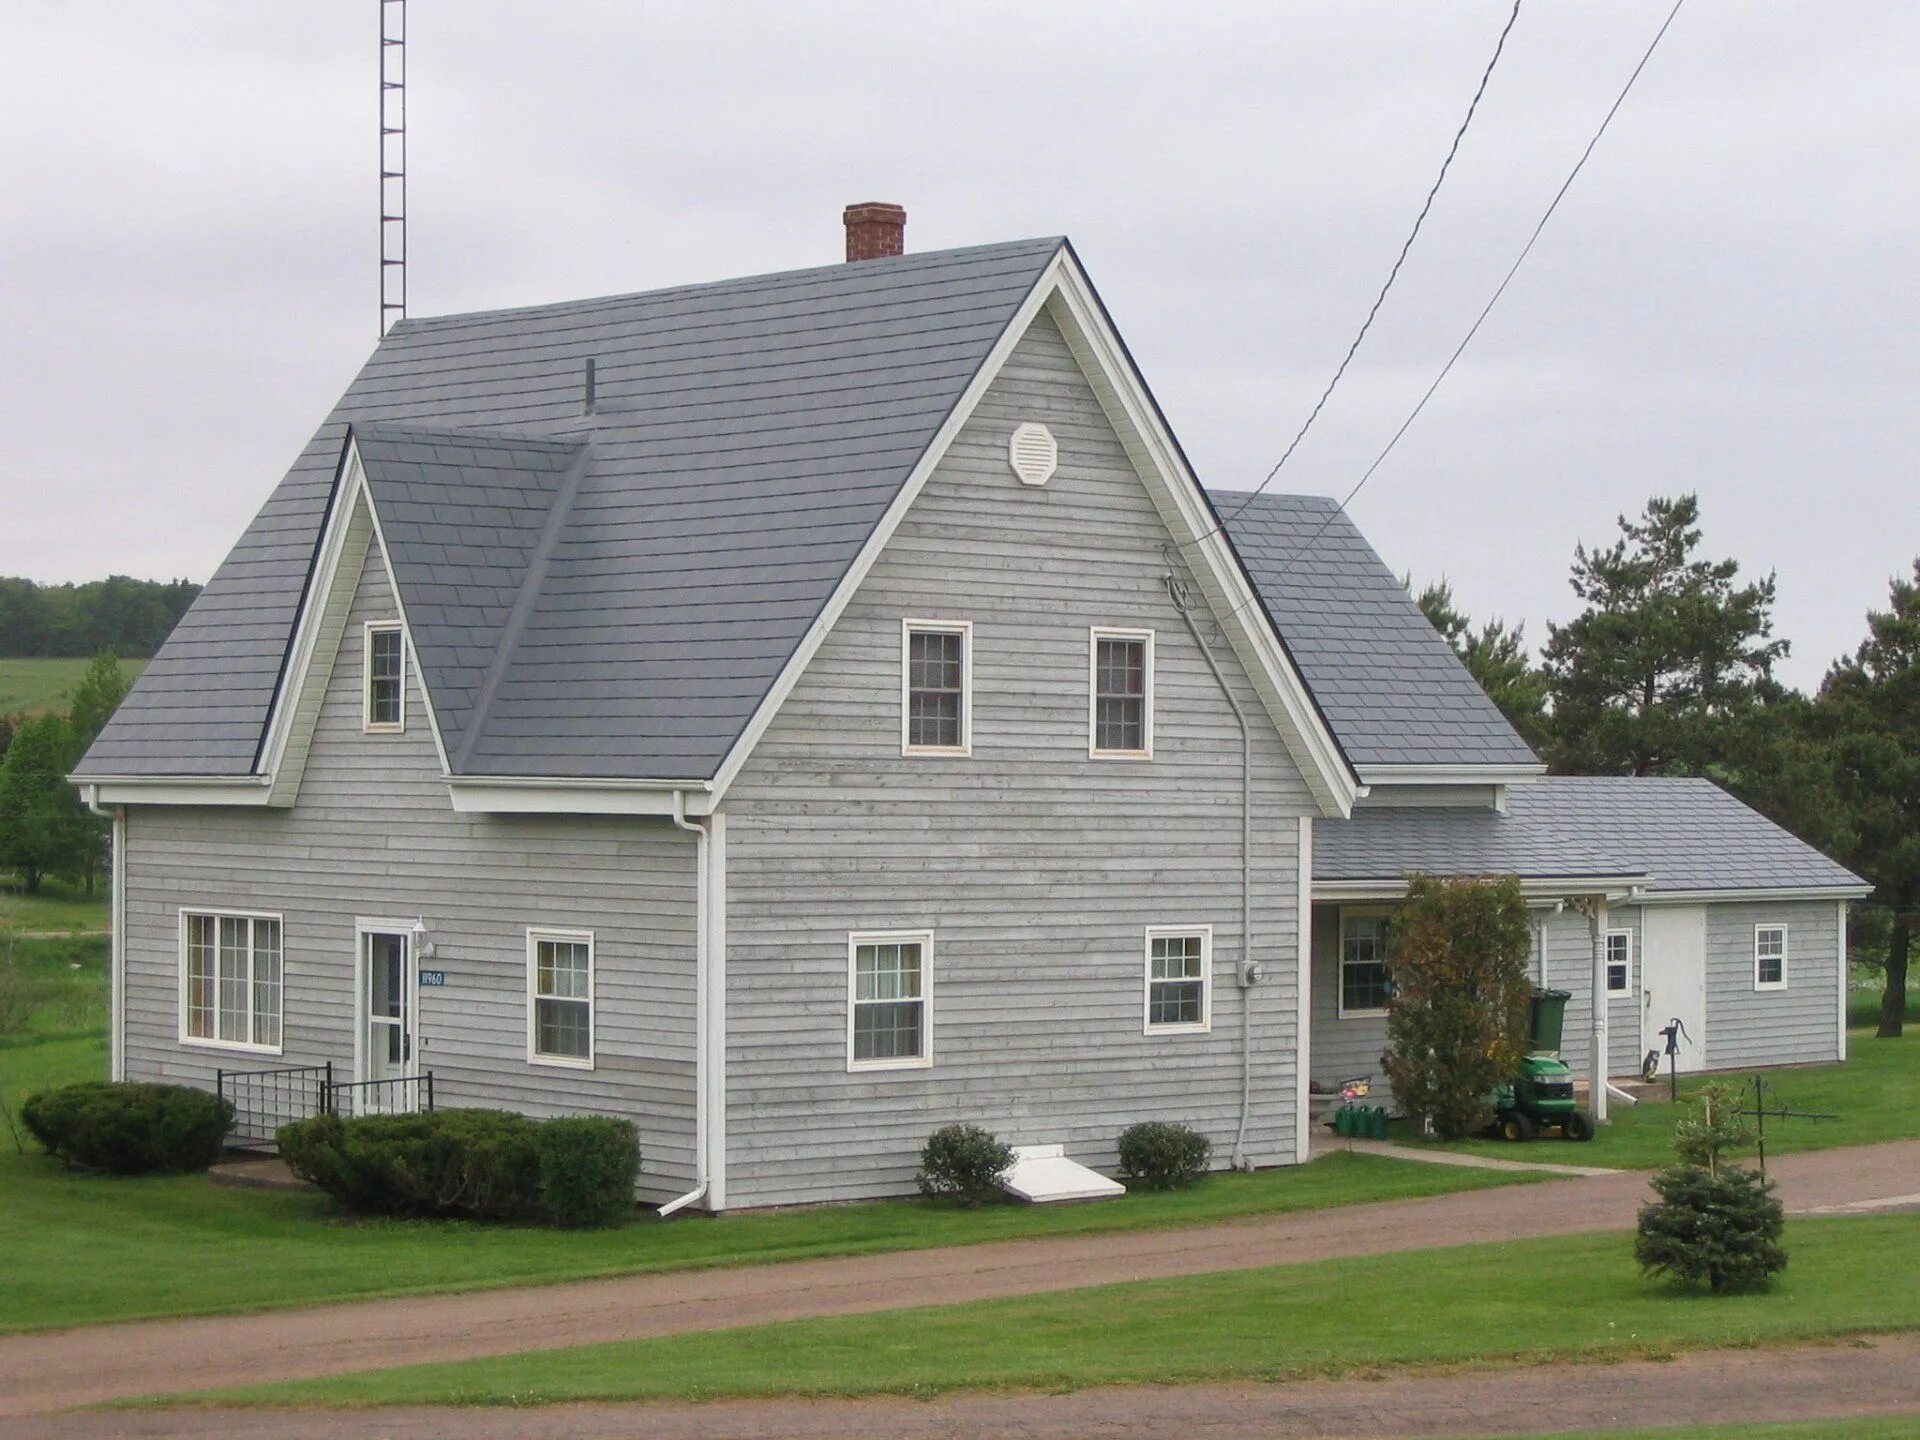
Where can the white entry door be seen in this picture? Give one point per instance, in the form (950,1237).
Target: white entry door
(1673,978)
(386,1046)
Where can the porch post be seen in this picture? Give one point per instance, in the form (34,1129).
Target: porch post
(1597,1059)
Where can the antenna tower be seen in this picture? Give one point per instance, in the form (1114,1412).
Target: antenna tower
(393,162)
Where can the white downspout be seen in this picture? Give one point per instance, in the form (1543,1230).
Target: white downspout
(702,1061)
(1176,590)
(1597,1042)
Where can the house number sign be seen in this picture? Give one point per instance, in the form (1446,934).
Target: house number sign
(432,979)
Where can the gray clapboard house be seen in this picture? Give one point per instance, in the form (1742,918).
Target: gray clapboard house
(801,711)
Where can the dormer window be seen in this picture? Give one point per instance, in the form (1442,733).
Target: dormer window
(386,670)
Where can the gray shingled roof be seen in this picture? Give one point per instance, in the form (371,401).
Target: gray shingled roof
(748,437)
(1684,834)
(1390,686)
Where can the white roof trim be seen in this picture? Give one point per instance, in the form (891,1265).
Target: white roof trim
(1758,892)
(1064,291)
(104,790)
(1450,774)
(495,795)
(1613,887)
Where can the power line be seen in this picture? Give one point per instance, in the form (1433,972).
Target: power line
(1499,290)
(1398,261)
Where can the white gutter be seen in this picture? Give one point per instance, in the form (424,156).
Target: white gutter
(702,1060)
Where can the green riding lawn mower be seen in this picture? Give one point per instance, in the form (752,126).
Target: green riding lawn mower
(1540,1097)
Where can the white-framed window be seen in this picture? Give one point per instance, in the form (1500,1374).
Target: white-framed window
(1364,982)
(936,687)
(385,665)
(560,998)
(890,1000)
(230,979)
(1619,962)
(1120,694)
(1179,978)
(1769,957)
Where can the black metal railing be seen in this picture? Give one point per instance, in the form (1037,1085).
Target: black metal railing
(401,1095)
(264,1100)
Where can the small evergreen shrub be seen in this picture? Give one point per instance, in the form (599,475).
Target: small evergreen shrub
(588,1166)
(963,1163)
(483,1164)
(1162,1155)
(1716,1223)
(129,1129)
(575,1171)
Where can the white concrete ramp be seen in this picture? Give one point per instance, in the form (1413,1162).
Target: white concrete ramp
(1043,1175)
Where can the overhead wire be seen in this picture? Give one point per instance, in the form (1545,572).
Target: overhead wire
(1399,260)
(1485,310)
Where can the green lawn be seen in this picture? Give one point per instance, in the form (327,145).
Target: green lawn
(57,906)
(1899,1427)
(1876,1095)
(1529,1301)
(31,687)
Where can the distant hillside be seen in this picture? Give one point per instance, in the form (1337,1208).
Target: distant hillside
(129,617)
(32,687)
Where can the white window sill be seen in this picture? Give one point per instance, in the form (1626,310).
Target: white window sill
(1763,986)
(1362,1015)
(371,729)
(560,1062)
(1202,1028)
(865,1067)
(1120,755)
(947,752)
(239,1047)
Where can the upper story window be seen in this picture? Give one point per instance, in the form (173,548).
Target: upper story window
(889,1015)
(560,997)
(386,670)
(1179,969)
(1121,710)
(230,979)
(1769,957)
(936,706)
(1364,983)
(1619,962)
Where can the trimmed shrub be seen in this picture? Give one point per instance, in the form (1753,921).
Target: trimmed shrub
(129,1129)
(1163,1155)
(588,1166)
(484,1164)
(576,1171)
(963,1163)
(1721,1230)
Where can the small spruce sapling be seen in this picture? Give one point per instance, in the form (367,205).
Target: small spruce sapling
(1716,1223)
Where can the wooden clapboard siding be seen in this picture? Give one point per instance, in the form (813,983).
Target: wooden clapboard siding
(1036,868)
(1797,1025)
(373,834)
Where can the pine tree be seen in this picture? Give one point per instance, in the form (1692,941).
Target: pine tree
(1868,716)
(1496,657)
(1657,674)
(1715,1223)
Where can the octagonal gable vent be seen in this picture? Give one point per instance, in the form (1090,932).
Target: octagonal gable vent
(1033,454)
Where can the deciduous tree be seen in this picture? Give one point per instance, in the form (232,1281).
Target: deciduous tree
(42,825)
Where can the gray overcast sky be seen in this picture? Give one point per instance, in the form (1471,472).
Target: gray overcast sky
(1726,301)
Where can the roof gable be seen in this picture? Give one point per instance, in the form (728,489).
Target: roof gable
(790,407)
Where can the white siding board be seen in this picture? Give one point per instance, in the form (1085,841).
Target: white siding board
(1036,868)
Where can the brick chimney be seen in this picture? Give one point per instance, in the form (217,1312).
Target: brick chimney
(875,230)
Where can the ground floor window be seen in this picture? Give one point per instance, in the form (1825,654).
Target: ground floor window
(1364,983)
(230,979)
(1179,966)
(888,1020)
(1769,957)
(560,996)
(1619,962)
